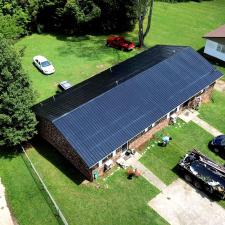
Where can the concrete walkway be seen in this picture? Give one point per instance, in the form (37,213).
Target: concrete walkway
(192,115)
(182,204)
(5,216)
(220,85)
(146,173)
(206,126)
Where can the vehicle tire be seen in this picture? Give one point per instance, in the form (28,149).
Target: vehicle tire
(216,150)
(188,178)
(197,185)
(209,189)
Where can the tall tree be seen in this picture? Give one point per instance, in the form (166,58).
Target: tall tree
(17,121)
(144,6)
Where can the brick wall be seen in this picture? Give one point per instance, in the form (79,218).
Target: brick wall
(114,159)
(146,136)
(53,136)
(207,94)
(50,133)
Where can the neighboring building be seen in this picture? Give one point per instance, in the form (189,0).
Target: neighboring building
(215,43)
(93,122)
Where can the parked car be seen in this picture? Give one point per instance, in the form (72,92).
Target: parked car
(64,85)
(120,43)
(43,64)
(218,145)
(203,173)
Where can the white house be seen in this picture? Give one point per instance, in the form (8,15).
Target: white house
(215,43)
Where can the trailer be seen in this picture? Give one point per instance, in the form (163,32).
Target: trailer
(203,173)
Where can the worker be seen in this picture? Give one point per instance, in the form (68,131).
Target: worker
(166,140)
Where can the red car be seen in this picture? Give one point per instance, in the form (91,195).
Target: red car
(120,43)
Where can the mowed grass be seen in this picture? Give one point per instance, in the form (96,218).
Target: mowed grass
(78,58)
(114,201)
(24,197)
(214,113)
(74,58)
(186,136)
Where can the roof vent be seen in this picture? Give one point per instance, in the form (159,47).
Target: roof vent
(117,82)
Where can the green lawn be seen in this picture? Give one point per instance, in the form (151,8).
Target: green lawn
(186,136)
(161,161)
(77,58)
(24,198)
(213,113)
(117,201)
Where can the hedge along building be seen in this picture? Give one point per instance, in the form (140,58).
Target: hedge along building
(122,107)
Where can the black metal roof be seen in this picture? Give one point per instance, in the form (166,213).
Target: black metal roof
(56,106)
(97,116)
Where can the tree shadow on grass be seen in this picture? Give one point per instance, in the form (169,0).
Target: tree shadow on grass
(9,153)
(53,156)
(91,48)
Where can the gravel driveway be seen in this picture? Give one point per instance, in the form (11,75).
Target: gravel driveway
(182,204)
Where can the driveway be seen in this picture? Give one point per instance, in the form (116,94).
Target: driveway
(182,204)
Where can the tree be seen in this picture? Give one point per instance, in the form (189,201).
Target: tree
(9,28)
(79,13)
(144,6)
(17,121)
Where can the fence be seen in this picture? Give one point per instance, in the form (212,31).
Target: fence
(54,204)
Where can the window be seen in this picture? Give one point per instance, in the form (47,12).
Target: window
(118,150)
(106,158)
(220,48)
(173,111)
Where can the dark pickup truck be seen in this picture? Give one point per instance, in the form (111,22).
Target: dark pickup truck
(203,173)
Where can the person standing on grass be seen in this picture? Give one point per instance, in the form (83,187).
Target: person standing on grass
(166,140)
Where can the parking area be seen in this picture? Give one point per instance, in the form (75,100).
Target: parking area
(181,204)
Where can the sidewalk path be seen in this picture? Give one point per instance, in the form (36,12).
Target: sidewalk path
(146,173)
(220,85)
(192,115)
(5,216)
(206,126)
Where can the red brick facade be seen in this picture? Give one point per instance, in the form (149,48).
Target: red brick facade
(48,131)
(207,94)
(146,136)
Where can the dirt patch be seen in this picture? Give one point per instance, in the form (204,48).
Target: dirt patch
(220,85)
(181,204)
